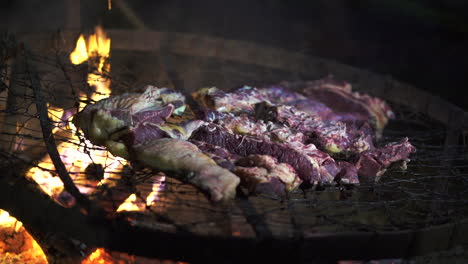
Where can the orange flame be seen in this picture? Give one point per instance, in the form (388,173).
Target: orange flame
(96,50)
(80,54)
(132,203)
(98,46)
(76,160)
(99,256)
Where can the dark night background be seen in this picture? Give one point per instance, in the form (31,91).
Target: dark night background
(422,42)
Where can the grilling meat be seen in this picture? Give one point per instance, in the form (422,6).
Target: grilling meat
(306,160)
(348,106)
(135,127)
(185,161)
(372,165)
(334,137)
(268,139)
(128,118)
(263,173)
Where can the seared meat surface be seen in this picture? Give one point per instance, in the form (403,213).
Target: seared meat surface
(306,160)
(136,127)
(263,173)
(268,139)
(185,161)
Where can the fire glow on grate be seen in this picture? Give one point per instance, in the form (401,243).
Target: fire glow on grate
(95,51)
(76,160)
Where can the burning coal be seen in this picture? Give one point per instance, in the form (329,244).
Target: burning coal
(16,244)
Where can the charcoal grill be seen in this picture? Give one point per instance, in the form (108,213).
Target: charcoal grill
(408,213)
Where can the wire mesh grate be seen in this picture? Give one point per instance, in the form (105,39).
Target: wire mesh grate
(433,190)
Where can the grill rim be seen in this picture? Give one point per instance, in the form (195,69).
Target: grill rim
(377,244)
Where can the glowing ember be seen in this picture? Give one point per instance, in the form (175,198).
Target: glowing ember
(132,203)
(16,244)
(75,161)
(7,220)
(99,256)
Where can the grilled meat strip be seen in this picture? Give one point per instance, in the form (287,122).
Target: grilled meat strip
(372,165)
(133,126)
(185,161)
(311,165)
(289,122)
(278,105)
(338,95)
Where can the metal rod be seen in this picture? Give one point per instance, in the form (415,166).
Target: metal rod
(48,136)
